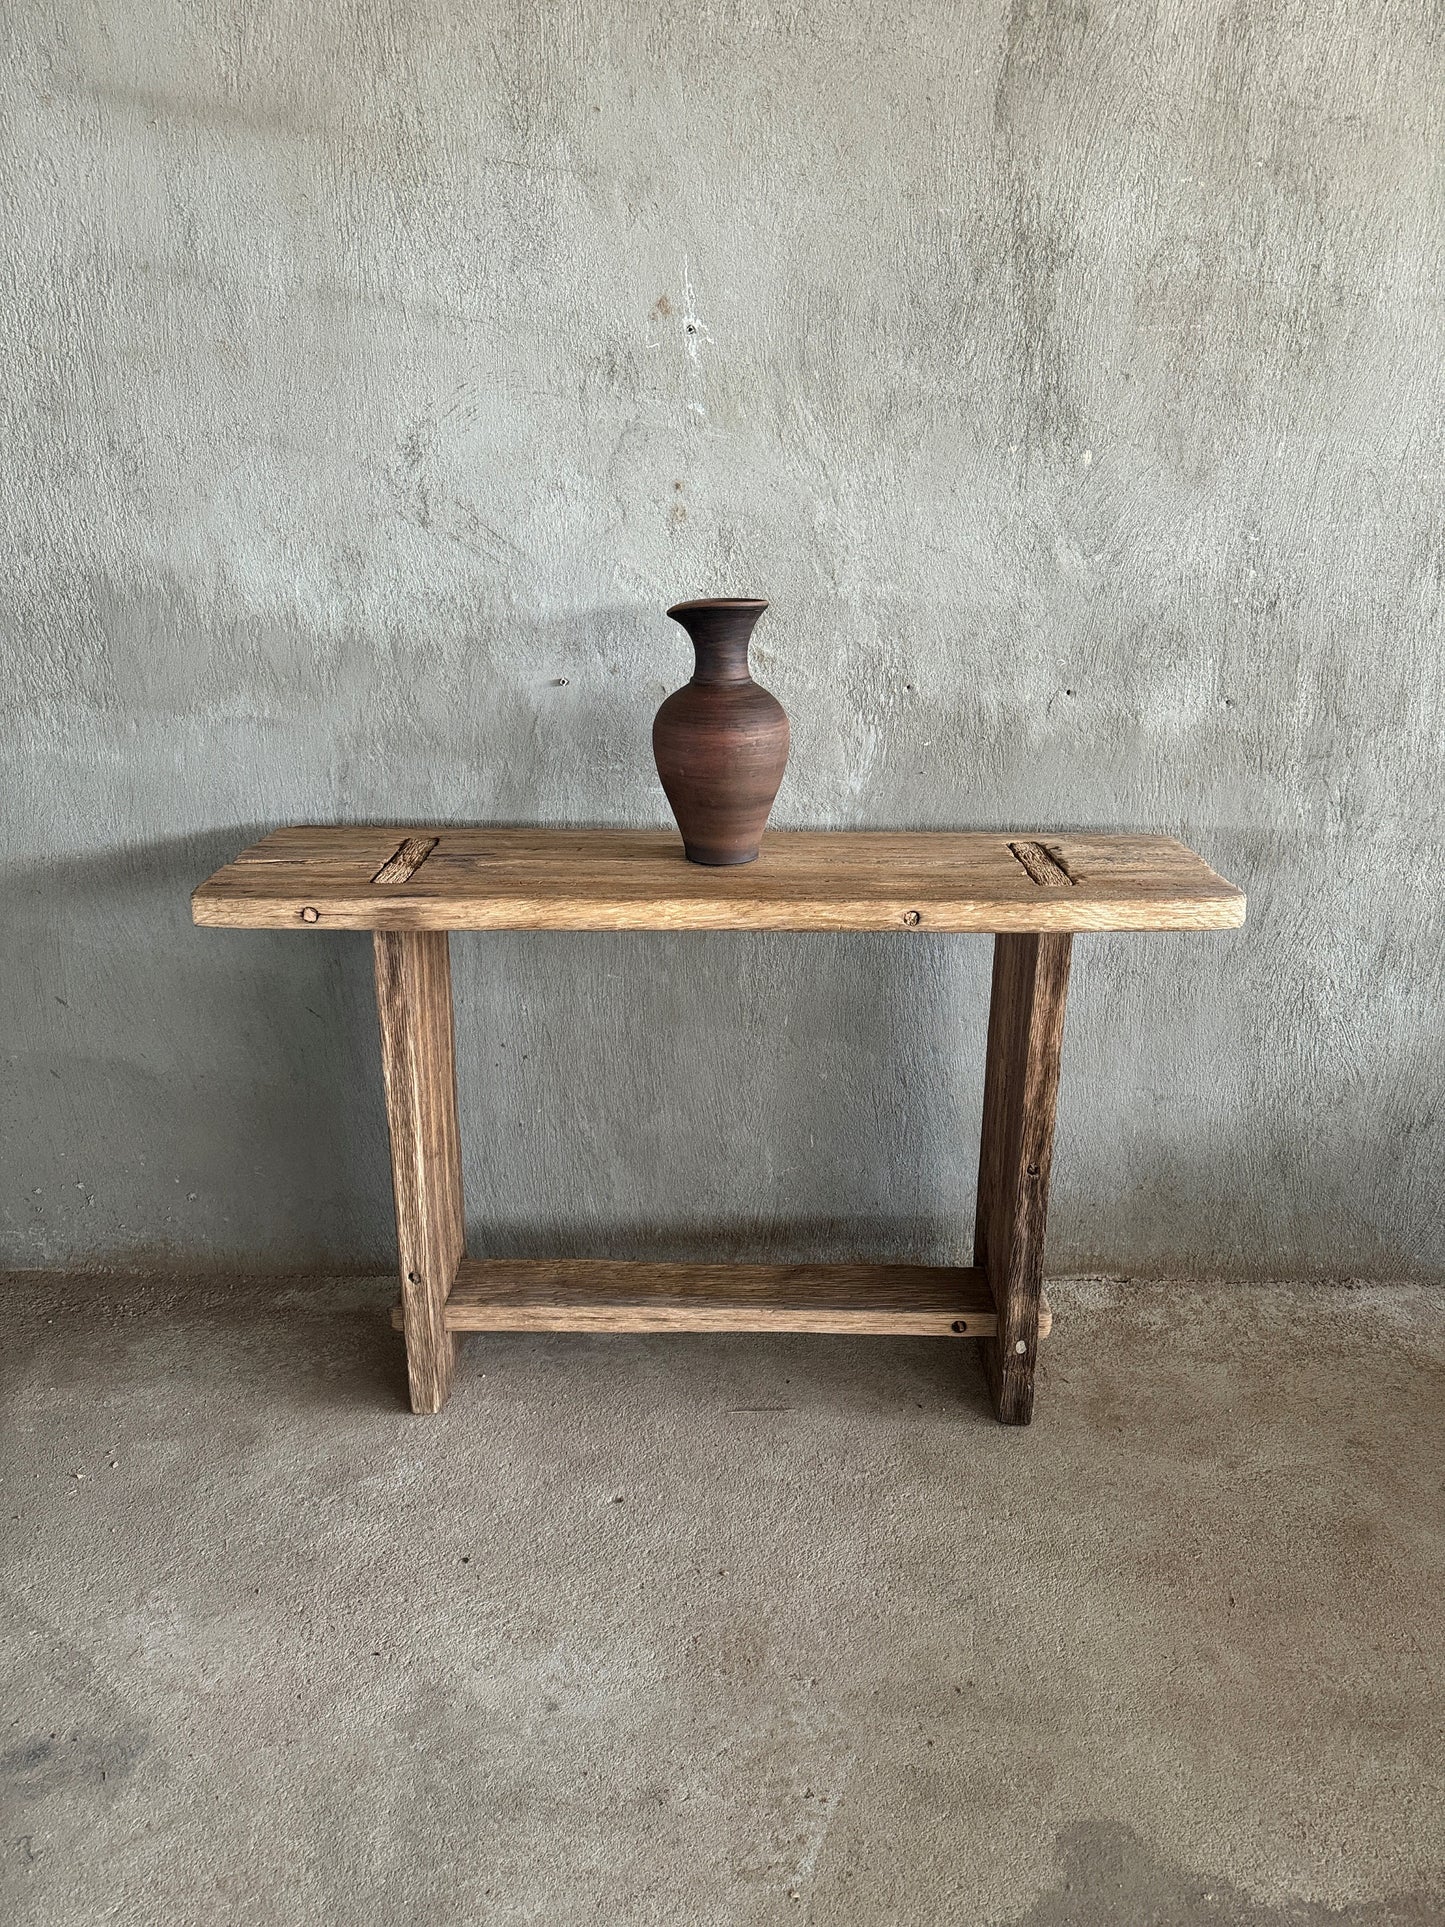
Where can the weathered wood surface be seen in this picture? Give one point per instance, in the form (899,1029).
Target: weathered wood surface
(541,879)
(408,858)
(1020,1093)
(414,1003)
(595,1294)
(1045,866)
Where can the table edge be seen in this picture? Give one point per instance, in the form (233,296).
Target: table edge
(1225,911)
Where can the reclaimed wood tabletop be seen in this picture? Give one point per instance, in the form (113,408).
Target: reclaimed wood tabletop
(441,878)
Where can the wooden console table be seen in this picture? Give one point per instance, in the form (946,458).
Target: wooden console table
(411,887)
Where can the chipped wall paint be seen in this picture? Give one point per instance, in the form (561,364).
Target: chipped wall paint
(1067,378)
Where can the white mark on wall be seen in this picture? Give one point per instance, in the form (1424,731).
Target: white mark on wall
(695,332)
(819,1825)
(860,763)
(695,336)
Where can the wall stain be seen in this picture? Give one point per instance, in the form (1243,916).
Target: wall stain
(1110,1878)
(1041,45)
(39,1766)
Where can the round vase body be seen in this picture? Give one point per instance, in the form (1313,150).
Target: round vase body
(721,741)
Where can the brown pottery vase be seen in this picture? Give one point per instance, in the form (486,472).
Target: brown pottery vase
(720,741)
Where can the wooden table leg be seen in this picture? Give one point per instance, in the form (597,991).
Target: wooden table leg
(414,1001)
(1021,1083)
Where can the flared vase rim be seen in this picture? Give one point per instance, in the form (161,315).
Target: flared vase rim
(719,602)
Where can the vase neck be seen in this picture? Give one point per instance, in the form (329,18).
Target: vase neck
(721,659)
(720,632)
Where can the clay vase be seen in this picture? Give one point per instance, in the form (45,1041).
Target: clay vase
(720,741)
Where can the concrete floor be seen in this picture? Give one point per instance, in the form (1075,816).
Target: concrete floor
(704,1630)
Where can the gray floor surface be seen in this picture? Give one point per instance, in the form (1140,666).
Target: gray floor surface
(722,1630)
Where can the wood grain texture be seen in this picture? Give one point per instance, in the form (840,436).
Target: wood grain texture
(1021,1082)
(586,1294)
(1042,865)
(407,860)
(542,879)
(414,1003)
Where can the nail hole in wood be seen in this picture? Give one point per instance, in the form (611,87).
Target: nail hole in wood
(308,915)
(960,1324)
(912,916)
(1033,1170)
(413,1277)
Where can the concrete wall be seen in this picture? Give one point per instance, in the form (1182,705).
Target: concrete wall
(1068,377)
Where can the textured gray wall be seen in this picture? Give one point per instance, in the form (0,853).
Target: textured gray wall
(1067,376)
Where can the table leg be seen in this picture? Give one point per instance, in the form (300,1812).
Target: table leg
(1021,1082)
(414,1002)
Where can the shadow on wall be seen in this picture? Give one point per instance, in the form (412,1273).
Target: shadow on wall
(216,1096)
(753,1095)
(216,1093)
(218,1101)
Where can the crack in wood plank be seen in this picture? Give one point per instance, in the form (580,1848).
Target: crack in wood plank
(1044,865)
(406,860)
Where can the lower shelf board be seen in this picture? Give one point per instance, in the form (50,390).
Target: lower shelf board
(604,1295)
